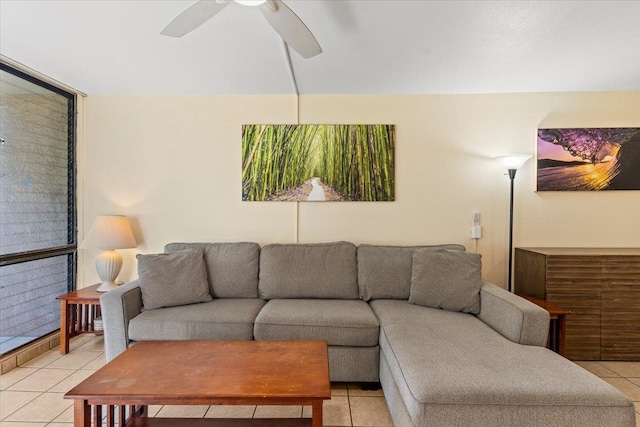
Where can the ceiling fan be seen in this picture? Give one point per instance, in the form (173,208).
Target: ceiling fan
(286,23)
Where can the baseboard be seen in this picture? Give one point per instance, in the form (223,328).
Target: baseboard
(30,351)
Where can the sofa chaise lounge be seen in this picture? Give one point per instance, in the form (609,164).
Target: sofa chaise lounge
(447,348)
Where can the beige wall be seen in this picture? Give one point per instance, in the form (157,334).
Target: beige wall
(172,164)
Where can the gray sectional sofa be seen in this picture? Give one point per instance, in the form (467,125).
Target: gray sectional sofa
(454,351)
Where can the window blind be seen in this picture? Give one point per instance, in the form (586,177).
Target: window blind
(37,205)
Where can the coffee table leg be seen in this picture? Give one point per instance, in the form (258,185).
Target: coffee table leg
(316,420)
(81,413)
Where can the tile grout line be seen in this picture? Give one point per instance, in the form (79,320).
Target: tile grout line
(7,389)
(349,403)
(40,369)
(17,391)
(23,391)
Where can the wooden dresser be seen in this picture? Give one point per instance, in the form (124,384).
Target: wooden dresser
(601,287)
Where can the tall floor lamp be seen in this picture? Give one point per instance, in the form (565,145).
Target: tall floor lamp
(512,163)
(109,232)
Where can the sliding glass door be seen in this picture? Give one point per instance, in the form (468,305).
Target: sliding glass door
(37,206)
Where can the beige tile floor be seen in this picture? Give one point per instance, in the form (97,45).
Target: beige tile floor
(32,395)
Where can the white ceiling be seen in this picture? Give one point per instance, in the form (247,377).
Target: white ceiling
(370,47)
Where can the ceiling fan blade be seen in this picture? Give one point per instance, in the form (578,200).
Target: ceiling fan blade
(192,17)
(291,28)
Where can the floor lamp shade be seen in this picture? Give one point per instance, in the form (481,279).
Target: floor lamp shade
(109,232)
(514,161)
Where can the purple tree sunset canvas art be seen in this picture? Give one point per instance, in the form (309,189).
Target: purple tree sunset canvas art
(584,159)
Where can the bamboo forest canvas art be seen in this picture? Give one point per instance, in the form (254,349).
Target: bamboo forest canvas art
(576,159)
(318,162)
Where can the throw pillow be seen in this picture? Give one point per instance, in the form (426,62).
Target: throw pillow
(446,279)
(167,280)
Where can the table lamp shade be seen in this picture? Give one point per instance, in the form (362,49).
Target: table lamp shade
(109,232)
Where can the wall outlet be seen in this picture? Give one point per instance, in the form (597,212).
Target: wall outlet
(475,219)
(476,229)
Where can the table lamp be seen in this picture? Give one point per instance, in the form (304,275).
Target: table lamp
(109,232)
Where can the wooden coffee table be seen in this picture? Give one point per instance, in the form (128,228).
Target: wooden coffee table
(206,373)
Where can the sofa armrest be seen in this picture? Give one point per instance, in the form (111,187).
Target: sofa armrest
(118,307)
(513,317)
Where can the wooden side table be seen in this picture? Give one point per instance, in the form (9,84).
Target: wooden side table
(78,310)
(557,324)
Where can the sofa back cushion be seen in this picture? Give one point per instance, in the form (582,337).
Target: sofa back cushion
(168,280)
(450,280)
(384,272)
(232,268)
(325,270)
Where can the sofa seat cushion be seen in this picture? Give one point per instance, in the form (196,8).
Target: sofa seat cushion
(440,359)
(339,322)
(220,319)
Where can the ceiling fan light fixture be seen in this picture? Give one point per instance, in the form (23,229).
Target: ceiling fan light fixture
(251,2)
(283,20)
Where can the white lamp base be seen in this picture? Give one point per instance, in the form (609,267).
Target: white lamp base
(108,265)
(108,286)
